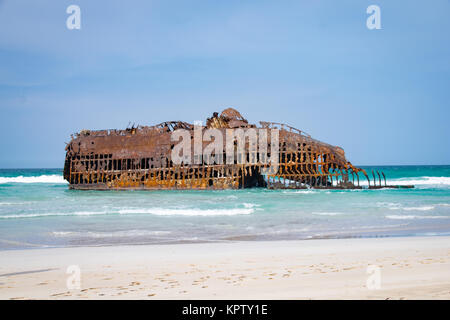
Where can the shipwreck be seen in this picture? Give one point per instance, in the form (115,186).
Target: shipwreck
(142,158)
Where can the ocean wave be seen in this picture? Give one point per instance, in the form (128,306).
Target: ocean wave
(189,212)
(399,206)
(119,234)
(416,181)
(10,203)
(444,204)
(377,226)
(248,209)
(422,208)
(422,181)
(51,214)
(410,217)
(327,213)
(53,178)
(390,205)
(300,191)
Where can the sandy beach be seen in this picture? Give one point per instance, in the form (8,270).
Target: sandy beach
(407,268)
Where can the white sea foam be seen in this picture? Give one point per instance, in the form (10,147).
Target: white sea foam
(422,208)
(62,233)
(189,212)
(53,178)
(410,217)
(32,215)
(389,205)
(300,191)
(377,227)
(284,231)
(87,213)
(422,181)
(120,234)
(327,213)
(248,209)
(50,214)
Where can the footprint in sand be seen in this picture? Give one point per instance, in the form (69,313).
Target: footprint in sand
(59,294)
(349,268)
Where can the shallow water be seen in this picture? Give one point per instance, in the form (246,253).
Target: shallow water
(38,210)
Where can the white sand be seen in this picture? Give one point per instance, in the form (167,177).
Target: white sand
(409,268)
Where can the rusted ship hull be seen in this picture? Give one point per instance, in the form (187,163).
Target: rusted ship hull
(141,158)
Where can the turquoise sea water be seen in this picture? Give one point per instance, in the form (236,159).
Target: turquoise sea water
(38,210)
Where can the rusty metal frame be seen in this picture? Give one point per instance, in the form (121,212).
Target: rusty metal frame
(140,158)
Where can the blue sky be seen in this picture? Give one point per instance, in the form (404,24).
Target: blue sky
(382,95)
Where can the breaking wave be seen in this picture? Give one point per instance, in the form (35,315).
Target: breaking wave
(416,181)
(438,181)
(120,234)
(190,212)
(49,214)
(300,191)
(410,217)
(327,213)
(53,178)
(248,209)
(423,208)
